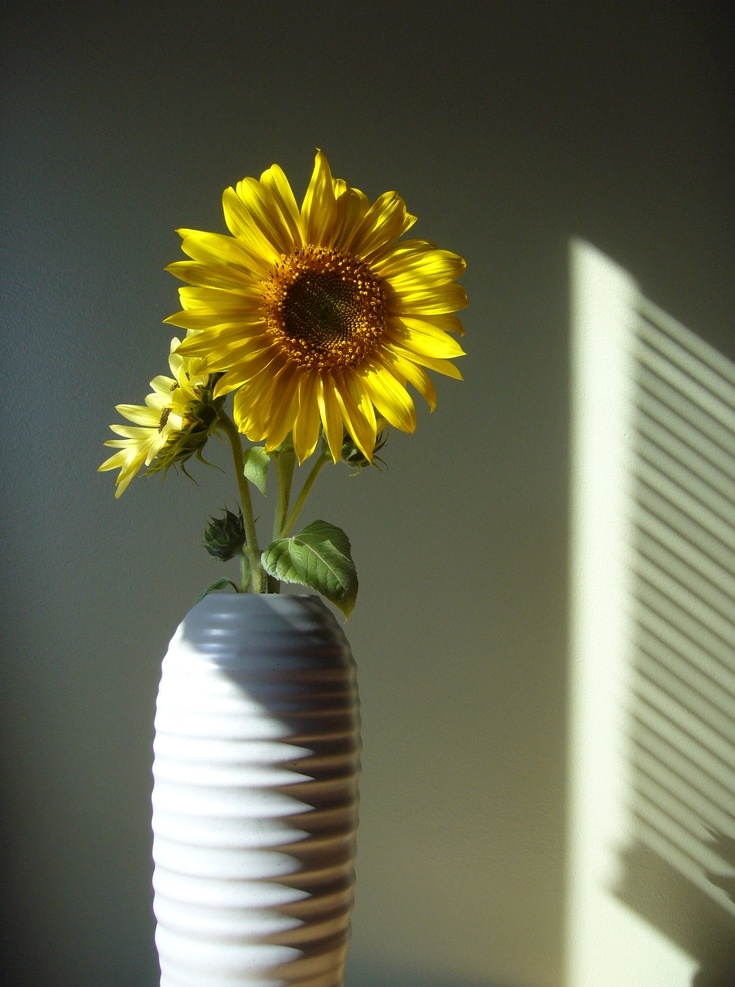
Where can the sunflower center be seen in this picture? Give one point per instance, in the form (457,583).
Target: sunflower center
(321,309)
(326,308)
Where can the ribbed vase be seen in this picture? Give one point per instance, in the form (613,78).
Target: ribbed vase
(256,762)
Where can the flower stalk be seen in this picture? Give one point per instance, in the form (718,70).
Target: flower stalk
(253,574)
(285,466)
(288,525)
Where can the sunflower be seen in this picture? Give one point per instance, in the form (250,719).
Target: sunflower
(318,318)
(172,425)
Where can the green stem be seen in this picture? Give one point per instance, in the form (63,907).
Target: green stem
(256,574)
(316,469)
(285,464)
(244,571)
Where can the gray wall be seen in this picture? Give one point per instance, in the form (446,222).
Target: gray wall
(508,128)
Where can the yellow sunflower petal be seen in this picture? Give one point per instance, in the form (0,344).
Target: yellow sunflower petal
(242,225)
(137,448)
(229,338)
(218,250)
(246,369)
(275,181)
(138,433)
(223,340)
(318,212)
(420,268)
(390,397)
(213,275)
(128,466)
(430,300)
(440,366)
(265,217)
(446,321)
(306,426)
(384,222)
(414,375)
(422,337)
(357,410)
(163,385)
(213,319)
(351,208)
(196,297)
(252,406)
(147,416)
(331,417)
(283,407)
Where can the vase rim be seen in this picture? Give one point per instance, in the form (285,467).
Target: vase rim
(270,601)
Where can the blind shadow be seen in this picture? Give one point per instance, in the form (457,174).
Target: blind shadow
(678,867)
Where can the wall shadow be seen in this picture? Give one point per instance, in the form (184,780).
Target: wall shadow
(678,868)
(370,975)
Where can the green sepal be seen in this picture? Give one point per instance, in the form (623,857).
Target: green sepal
(256,462)
(318,557)
(354,456)
(200,420)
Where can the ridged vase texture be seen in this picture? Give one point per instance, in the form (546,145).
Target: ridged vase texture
(255,772)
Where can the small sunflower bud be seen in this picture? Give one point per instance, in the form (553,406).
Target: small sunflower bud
(224,537)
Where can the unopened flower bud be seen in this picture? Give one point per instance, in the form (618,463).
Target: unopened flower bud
(224,537)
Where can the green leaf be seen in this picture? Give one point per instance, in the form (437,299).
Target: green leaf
(318,557)
(256,463)
(220,584)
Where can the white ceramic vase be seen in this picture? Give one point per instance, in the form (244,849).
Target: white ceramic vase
(256,762)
